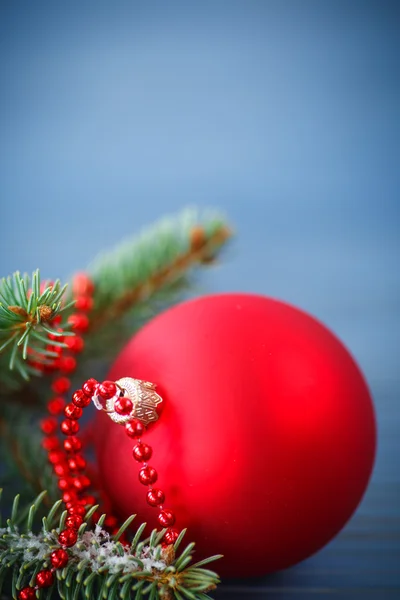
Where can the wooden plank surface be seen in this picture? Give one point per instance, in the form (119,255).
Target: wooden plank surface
(363,561)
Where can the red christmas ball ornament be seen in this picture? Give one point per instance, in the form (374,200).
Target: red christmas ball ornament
(267,438)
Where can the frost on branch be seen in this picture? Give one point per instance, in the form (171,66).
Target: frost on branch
(96,547)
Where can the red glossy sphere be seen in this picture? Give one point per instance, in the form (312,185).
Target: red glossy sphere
(70,496)
(110,521)
(69,427)
(61,385)
(44,579)
(27,593)
(84,303)
(147,475)
(48,425)
(166,518)
(59,558)
(77,463)
(67,364)
(82,285)
(73,521)
(79,322)
(142,452)
(80,399)
(61,469)
(170,536)
(75,343)
(81,482)
(64,483)
(107,389)
(56,405)
(256,392)
(135,428)
(71,411)
(68,537)
(56,456)
(50,443)
(155,497)
(76,509)
(89,387)
(72,444)
(123,406)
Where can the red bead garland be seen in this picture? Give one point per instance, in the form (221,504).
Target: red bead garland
(68,464)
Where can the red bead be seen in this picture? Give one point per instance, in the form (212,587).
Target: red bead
(89,387)
(142,452)
(84,303)
(68,537)
(110,521)
(59,558)
(80,399)
(69,427)
(48,425)
(70,496)
(64,483)
(72,444)
(77,463)
(56,456)
(79,322)
(170,537)
(67,364)
(82,285)
(75,521)
(107,389)
(123,406)
(155,497)
(44,579)
(61,469)
(81,482)
(135,428)
(27,593)
(56,338)
(56,405)
(76,509)
(88,501)
(50,443)
(147,475)
(61,385)
(71,411)
(55,348)
(166,518)
(75,343)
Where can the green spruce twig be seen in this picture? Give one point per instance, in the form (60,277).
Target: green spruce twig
(99,566)
(146,274)
(27,312)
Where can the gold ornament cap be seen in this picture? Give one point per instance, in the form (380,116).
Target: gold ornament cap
(143,397)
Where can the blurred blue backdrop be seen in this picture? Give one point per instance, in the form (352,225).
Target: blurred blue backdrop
(284,114)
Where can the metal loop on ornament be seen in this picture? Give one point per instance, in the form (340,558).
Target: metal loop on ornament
(144,399)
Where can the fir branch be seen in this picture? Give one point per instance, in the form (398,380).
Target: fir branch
(161,256)
(99,566)
(27,311)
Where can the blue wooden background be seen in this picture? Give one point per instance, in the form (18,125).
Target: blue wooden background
(282,113)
